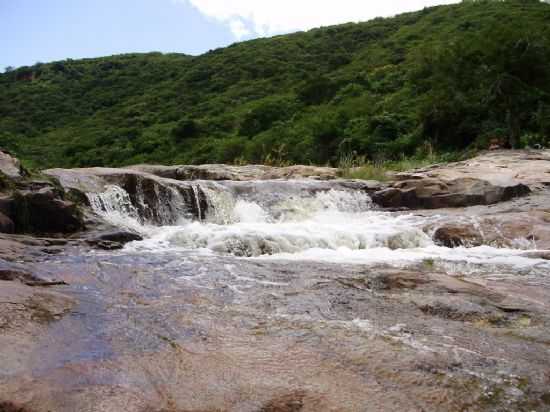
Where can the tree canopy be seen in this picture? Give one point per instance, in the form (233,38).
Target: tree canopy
(454,76)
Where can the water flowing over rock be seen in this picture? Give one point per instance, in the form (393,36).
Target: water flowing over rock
(142,197)
(509,229)
(282,295)
(149,199)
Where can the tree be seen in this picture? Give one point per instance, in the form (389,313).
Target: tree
(186,128)
(499,76)
(317,90)
(263,114)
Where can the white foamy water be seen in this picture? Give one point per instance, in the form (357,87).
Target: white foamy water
(337,226)
(116,207)
(324,230)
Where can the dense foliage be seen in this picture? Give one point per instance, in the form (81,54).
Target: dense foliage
(448,77)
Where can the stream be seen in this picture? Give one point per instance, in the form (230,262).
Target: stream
(289,296)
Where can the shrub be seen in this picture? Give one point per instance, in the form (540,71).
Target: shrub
(185,129)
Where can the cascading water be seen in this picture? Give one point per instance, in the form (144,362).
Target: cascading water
(157,205)
(301,222)
(116,207)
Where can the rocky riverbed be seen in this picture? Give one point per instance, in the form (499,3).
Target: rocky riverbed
(223,288)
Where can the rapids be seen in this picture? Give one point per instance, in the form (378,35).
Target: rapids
(276,220)
(275,296)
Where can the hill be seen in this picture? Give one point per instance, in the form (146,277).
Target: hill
(444,78)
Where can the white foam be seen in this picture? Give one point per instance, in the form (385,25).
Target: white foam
(331,226)
(116,207)
(257,234)
(458,259)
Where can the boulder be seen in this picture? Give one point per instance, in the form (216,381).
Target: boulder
(520,229)
(434,193)
(119,236)
(45,212)
(502,168)
(457,235)
(10,166)
(6,224)
(487,179)
(112,240)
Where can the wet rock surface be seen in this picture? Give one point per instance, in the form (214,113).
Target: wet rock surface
(164,200)
(112,240)
(266,335)
(281,295)
(6,224)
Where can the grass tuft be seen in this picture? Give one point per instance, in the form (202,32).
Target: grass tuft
(358,167)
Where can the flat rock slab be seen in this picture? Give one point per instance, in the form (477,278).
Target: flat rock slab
(487,179)
(299,337)
(238,173)
(503,168)
(433,193)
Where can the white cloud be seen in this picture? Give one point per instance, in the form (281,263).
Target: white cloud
(238,28)
(267,17)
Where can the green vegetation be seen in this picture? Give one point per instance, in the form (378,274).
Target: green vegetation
(454,77)
(382,171)
(353,166)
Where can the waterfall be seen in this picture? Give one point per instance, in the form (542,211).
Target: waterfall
(295,220)
(196,195)
(116,207)
(153,204)
(148,205)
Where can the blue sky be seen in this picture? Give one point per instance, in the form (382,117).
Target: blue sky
(48,30)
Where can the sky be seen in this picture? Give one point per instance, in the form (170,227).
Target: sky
(48,30)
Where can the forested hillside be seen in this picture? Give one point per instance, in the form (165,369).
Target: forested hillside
(445,78)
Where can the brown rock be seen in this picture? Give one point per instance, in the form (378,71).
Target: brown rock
(112,240)
(10,249)
(45,212)
(507,229)
(12,407)
(456,235)
(10,166)
(6,224)
(238,173)
(431,193)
